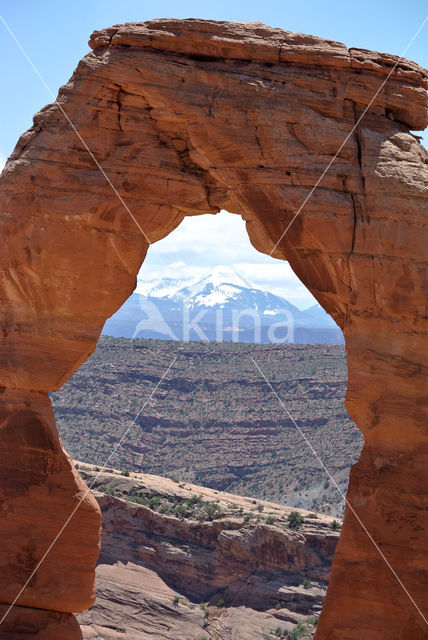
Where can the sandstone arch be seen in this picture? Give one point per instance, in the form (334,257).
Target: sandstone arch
(190,117)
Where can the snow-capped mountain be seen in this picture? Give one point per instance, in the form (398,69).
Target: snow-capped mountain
(161,287)
(218,287)
(222,305)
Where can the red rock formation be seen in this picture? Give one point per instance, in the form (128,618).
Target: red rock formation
(39,489)
(24,622)
(188,117)
(245,553)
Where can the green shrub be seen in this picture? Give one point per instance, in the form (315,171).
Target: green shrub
(335,525)
(220,603)
(136,498)
(124,472)
(154,502)
(180,511)
(211,509)
(270,520)
(295,520)
(107,490)
(297,632)
(164,509)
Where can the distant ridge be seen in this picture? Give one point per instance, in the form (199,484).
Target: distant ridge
(222,305)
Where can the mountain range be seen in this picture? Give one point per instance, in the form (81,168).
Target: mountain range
(220,306)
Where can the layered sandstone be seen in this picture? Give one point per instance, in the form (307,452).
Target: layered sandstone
(188,117)
(167,547)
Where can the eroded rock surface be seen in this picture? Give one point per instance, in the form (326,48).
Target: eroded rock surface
(23,623)
(180,560)
(39,490)
(188,117)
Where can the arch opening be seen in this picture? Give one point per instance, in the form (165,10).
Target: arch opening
(209,294)
(214,426)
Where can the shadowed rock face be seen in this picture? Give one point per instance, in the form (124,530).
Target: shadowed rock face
(25,622)
(189,117)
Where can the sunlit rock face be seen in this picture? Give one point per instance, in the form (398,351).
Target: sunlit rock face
(188,117)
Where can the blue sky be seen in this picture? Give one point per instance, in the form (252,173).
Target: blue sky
(55,36)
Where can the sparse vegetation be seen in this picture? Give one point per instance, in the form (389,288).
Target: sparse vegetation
(298,632)
(193,505)
(180,511)
(110,491)
(174,435)
(136,498)
(295,520)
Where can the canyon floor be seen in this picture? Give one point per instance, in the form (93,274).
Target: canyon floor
(214,420)
(184,562)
